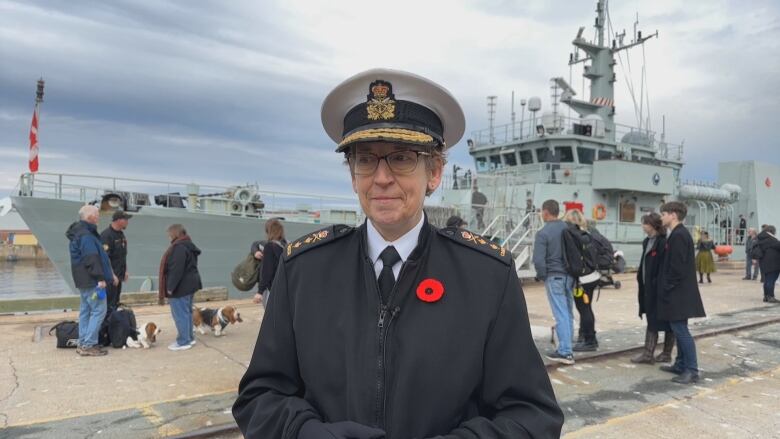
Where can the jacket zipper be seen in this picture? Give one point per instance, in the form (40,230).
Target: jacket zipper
(383,324)
(393,313)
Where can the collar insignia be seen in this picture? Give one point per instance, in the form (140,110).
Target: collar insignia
(381,103)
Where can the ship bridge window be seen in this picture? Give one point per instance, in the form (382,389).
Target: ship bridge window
(482,164)
(526,157)
(543,155)
(564,154)
(495,161)
(605,155)
(510,159)
(585,155)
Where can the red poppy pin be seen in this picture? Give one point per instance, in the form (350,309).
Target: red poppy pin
(430,290)
(653,253)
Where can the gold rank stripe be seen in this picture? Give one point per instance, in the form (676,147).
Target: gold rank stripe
(310,239)
(477,239)
(388,133)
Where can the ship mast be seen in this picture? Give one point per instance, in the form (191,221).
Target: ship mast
(601,71)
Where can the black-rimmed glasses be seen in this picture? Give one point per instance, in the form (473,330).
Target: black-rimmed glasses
(399,162)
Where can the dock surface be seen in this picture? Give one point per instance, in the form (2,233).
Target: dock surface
(139,393)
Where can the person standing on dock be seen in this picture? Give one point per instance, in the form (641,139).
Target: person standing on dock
(705,263)
(647,276)
(91,272)
(115,245)
(179,281)
(271,255)
(679,296)
(751,265)
(551,269)
(769,261)
(395,329)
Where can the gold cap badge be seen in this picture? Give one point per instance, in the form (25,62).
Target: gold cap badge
(381,103)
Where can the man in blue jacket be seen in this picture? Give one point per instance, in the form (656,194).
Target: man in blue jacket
(91,270)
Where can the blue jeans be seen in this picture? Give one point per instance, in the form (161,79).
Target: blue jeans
(769,283)
(559,294)
(181,310)
(749,267)
(92,311)
(686,347)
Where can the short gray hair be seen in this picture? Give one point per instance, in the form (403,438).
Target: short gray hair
(87,211)
(177,230)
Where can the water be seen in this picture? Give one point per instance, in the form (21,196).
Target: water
(27,279)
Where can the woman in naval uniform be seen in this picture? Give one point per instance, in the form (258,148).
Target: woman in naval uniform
(395,329)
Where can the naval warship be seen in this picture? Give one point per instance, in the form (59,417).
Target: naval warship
(613,173)
(223,221)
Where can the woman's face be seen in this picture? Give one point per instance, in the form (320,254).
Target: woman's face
(648,229)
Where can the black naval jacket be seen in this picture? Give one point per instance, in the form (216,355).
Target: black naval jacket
(677,287)
(464,366)
(115,245)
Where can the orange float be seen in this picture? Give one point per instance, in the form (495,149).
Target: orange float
(599,211)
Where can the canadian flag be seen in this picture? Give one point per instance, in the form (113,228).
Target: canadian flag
(34,142)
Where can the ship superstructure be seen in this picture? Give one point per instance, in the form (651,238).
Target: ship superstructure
(614,173)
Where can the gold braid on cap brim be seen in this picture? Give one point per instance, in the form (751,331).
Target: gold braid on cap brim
(397,134)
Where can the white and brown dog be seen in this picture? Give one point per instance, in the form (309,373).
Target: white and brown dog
(144,337)
(216,319)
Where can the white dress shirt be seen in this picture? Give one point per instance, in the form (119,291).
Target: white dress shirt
(403,245)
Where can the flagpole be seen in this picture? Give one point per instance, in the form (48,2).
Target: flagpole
(33,159)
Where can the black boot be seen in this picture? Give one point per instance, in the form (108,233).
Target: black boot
(687,377)
(701,278)
(589,343)
(709,281)
(666,355)
(672,369)
(646,357)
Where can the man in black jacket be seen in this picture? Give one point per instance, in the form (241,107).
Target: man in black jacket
(115,245)
(395,329)
(679,297)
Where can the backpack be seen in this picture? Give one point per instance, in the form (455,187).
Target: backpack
(579,253)
(121,324)
(605,259)
(67,333)
(756,252)
(245,275)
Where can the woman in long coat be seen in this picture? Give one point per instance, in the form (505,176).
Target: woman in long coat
(647,279)
(705,264)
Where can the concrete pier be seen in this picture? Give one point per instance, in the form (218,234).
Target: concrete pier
(49,392)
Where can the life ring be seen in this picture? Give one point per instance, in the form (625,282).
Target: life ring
(599,212)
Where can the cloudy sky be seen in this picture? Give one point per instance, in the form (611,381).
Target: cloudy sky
(226,92)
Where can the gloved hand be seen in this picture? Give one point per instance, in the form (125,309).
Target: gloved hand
(315,429)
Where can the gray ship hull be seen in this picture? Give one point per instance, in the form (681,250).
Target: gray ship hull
(224,240)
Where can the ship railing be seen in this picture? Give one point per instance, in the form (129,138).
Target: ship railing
(457,182)
(549,125)
(491,228)
(553,173)
(200,198)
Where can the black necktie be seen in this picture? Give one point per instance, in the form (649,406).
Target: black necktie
(389,257)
